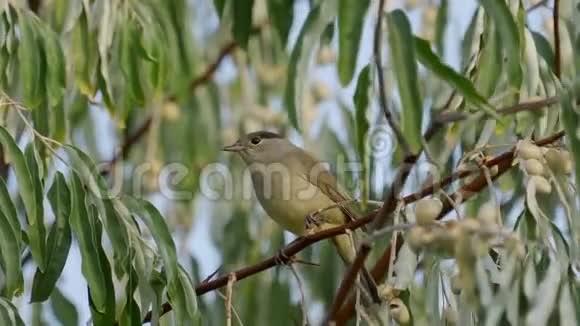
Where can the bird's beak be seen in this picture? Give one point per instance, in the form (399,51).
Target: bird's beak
(233,148)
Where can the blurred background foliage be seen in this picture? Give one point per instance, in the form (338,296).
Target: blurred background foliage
(108,102)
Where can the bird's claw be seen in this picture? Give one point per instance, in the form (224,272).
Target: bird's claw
(282,259)
(310,222)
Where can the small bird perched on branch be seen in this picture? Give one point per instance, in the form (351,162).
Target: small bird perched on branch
(297,191)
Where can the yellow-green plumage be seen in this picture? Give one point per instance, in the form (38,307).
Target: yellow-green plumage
(308,188)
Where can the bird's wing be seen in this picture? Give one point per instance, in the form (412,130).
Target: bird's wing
(319,176)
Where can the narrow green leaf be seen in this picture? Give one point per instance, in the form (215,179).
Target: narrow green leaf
(131,314)
(108,24)
(58,122)
(405,66)
(509,35)
(472,39)
(154,46)
(158,285)
(5,59)
(82,52)
(106,316)
(544,48)
(159,230)
(219,6)
(115,216)
(29,197)
(179,286)
(242,24)
(59,241)
(88,172)
(183,297)
(29,61)
(7,207)
(85,230)
(361,104)
(130,311)
(64,310)
(351,17)
(440,26)
(531,66)
(10,250)
(189,292)
(36,168)
(9,314)
(281,14)
(55,75)
(130,59)
(571,120)
(317,20)
(490,64)
(432,62)
(327,34)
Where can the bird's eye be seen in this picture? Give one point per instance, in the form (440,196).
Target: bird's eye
(256,140)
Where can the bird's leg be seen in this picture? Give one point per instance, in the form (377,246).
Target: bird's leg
(315,218)
(311,222)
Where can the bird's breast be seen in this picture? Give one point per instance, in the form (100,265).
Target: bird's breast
(289,199)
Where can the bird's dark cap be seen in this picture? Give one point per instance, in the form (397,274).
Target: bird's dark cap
(263,134)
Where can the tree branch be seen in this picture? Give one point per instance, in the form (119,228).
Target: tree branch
(556,18)
(348,281)
(378,272)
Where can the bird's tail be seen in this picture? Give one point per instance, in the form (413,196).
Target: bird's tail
(347,253)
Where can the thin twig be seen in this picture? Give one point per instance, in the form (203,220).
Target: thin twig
(529,106)
(211,69)
(392,196)
(557,59)
(382,88)
(303,306)
(348,281)
(127,145)
(536,6)
(234,310)
(214,273)
(389,229)
(229,293)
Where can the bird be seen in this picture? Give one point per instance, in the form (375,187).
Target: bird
(295,188)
